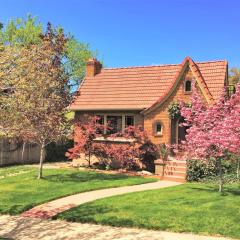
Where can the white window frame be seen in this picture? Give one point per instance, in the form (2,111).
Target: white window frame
(123,115)
(156,133)
(129,115)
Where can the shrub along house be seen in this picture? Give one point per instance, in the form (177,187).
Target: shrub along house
(143,95)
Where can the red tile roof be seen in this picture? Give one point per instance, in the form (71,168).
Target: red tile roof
(138,88)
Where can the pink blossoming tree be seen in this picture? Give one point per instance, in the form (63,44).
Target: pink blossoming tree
(214,130)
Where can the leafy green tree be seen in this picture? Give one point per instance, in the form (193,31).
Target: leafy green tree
(77,54)
(22,32)
(35,93)
(24,85)
(234,76)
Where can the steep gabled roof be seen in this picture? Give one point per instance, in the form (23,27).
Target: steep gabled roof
(198,76)
(143,88)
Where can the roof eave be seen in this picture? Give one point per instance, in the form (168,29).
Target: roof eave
(105,109)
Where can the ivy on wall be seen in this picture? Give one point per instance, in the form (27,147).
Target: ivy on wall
(174,111)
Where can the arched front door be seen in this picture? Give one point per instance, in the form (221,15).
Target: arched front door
(178,132)
(181,131)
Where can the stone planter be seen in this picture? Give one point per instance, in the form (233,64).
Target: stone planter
(159,167)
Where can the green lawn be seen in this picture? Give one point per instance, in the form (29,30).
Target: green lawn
(196,208)
(23,191)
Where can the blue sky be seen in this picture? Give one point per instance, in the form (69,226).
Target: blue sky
(143,32)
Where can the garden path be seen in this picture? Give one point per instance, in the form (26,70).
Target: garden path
(52,208)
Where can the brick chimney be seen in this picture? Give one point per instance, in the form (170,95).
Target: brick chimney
(93,67)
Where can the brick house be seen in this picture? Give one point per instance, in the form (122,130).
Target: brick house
(142,95)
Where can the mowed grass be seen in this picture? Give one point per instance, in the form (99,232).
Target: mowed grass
(20,190)
(196,208)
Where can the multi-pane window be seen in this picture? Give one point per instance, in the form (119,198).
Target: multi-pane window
(100,119)
(114,124)
(129,121)
(231,90)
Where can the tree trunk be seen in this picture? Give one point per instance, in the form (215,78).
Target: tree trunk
(23,151)
(220,175)
(89,158)
(238,166)
(41,161)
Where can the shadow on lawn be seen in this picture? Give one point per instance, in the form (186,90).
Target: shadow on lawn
(86,214)
(18,208)
(84,177)
(227,190)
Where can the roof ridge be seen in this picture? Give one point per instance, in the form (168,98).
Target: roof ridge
(160,65)
(212,61)
(163,65)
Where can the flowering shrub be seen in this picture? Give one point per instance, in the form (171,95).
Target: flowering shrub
(136,145)
(84,134)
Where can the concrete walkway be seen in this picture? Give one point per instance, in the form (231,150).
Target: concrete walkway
(52,208)
(20,228)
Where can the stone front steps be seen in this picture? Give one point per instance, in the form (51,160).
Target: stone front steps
(175,173)
(174,179)
(172,170)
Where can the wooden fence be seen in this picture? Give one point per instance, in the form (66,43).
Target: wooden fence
(12,153)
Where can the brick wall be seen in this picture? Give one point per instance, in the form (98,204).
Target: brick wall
(161,114)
